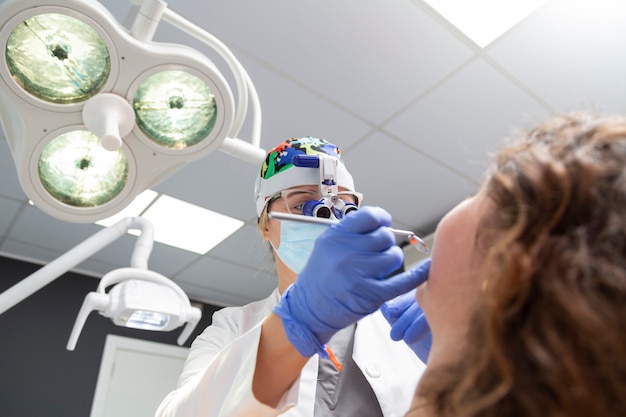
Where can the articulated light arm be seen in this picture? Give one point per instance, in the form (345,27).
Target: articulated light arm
(144,27)
(142,296)
(48,273)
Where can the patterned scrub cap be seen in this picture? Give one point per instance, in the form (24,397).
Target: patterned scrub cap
(277,174)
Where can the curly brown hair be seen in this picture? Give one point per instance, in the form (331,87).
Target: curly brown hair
(550,339)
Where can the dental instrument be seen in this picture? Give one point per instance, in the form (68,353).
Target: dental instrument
(413,239)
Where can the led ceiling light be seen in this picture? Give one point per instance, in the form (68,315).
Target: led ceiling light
(139,298)
(192,228)
(483,21)
(95,113)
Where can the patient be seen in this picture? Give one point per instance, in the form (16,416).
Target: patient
(526,296)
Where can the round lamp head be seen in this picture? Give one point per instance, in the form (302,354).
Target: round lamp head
(175,109)
(57,58)
(76,170)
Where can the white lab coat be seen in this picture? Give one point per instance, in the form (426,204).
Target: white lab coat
(217,377)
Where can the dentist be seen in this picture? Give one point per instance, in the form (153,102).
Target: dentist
(319,344)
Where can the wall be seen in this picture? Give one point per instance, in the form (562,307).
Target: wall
(38,376)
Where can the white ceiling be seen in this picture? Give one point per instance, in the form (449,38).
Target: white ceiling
(414,104)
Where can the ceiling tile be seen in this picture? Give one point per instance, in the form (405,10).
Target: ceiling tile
(44,256)
(168,260)
(225,281)
(9,185)
(466,117)
(400,179)
(36,227)
(28,252)
(9,209)
(367,56)
(295,110)
(246,247)
(163,259)
(570,52)
(218,181)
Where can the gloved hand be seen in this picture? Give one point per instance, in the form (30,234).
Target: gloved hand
(344,279)
(407,319)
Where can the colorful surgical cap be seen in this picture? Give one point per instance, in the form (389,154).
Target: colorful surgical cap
(279,173)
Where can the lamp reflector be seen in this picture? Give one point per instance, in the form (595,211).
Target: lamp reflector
(58,58)
(175,109)
(77,171)
(148,320)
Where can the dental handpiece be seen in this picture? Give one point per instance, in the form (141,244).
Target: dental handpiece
(413,239)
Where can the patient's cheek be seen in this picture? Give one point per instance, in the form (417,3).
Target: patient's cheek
(420,296)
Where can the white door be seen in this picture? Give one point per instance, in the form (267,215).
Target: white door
(135,375)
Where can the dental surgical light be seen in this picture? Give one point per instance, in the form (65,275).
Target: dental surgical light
(138,297)
(95,113)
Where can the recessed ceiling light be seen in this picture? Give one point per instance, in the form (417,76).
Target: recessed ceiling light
(187,226)
(483,21)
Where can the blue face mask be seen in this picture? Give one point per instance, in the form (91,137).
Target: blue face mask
(296,243)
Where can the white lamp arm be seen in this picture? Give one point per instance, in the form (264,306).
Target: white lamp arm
(242,79)
(147,15)
(243,82)
(122,274)
(243,150)
(143,244)
(147,19)
(93,301)
(48,273)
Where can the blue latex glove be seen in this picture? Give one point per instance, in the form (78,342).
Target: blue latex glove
(344,280)
(407,319)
